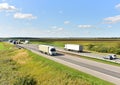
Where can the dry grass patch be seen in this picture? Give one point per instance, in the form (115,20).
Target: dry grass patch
(21,57)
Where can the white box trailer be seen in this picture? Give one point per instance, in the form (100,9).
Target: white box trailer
(73,47)
(47,49)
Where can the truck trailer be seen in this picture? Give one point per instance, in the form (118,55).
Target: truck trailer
(50,50)
(73,47)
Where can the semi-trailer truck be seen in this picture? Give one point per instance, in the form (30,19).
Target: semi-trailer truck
(73,47)
(50,50)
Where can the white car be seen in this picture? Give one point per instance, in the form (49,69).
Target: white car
(111,57)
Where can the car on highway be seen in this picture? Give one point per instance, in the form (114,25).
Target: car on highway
(111,57)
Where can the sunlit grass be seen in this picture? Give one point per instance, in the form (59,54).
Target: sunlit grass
(5,46)
(52,73)
(1,46)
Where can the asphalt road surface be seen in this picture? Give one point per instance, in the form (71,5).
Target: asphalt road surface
(92,55)
(104,71)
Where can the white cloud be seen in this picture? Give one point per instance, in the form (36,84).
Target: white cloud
(109,26)
(60,29)
(66,22)
(111,20)
(85,26)
(7,7)
(3,0)
(54,27)
(117,6)
(24,16)
(58,32)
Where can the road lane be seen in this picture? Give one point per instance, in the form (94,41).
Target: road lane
(92,55)
(102,70)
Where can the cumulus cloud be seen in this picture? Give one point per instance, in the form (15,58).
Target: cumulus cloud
(117,6)
(7,7)
(24,16)
(111,20)
(85,26)
(66,22)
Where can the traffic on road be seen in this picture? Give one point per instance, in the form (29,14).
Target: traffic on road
(104,71)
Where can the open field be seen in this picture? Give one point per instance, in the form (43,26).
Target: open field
(19,65)
(84,43)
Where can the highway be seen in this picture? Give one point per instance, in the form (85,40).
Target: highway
(104,71)
(90,54)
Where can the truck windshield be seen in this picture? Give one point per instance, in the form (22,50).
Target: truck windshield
(53,49)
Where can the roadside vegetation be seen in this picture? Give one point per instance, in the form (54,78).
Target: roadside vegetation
(105,49)
(102,46)
(22,67)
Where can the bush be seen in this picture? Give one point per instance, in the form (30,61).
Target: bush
(117,51)
(90,46)
(111,49)
(117,45)
(102,49)
(26,80)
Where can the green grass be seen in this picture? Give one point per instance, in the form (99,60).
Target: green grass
(1,46)
(17,64)
(5,46)
(8,67)
(60,74)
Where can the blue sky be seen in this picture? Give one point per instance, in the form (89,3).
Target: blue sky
(59,18)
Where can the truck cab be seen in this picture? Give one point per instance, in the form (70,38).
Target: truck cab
(52,51)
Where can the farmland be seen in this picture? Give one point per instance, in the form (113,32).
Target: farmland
(19,66)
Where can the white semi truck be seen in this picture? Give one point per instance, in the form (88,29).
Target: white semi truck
(73,47)
(50,50)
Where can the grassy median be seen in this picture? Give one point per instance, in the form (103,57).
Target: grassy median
(22,67)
